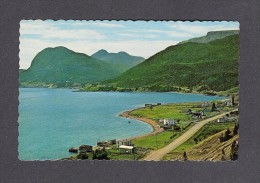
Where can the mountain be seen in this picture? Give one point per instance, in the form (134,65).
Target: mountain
(122,60)
(212,36)
(195,66)
(62,66)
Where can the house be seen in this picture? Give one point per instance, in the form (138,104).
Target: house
(161,120)
(205,104)
(221,120)
(148,105)
(198,114)
(229,104)
(168,122)
(126,149)
(125,142)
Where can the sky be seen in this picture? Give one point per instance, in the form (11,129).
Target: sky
(139,38)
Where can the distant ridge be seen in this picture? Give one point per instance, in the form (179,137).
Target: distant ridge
(212,36)
(121,59)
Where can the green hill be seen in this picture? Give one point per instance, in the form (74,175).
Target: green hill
(197,66)
(64,67)
(122,60)
(212,36)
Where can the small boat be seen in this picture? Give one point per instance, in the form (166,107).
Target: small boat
(129,121)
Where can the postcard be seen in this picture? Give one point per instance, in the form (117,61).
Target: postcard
(128,90)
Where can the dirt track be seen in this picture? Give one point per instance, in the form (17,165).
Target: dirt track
(158,154)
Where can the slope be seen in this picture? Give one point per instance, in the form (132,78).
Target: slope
(199,66)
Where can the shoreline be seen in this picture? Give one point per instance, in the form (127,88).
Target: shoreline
(156,128)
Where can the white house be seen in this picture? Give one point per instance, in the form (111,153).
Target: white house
(229,104)
(168,122)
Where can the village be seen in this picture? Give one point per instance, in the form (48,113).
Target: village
(173,120)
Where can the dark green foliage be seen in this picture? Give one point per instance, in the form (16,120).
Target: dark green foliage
(234,151)
(227,135)
(122,60)
(213,108)
(235,130)
(64,68)
(82,156)
(177,128)
(195,140)
(213,66)
(100,154)
(185,157)
(233,100)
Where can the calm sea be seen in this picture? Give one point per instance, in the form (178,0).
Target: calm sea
(53,120)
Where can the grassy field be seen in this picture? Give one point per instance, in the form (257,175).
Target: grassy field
(156,141)
(177,112)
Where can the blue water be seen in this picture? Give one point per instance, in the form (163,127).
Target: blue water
(53,120)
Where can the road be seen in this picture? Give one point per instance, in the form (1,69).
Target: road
(158,154)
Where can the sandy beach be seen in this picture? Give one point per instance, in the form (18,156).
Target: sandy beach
(156,127)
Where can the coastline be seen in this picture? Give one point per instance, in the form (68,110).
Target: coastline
(156,128)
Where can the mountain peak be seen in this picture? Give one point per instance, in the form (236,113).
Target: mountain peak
(123,53)
(102,51)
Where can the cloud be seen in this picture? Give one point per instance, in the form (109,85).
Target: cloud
(196,29)
(109,25)
(133,35)
(49,31)
(171,33)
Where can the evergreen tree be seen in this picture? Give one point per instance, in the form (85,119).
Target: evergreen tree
(227,135)
(213,108)
(185,157)
(221,138)
(234,151)
(235,130)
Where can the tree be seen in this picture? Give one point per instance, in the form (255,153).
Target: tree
(195,140)
(221,138)
(233,100)
(185,157)
(227,135)
(235,130)
(234,151)
(213,107)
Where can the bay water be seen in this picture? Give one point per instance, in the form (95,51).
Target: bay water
(53,120)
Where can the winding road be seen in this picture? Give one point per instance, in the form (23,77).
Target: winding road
(158,154)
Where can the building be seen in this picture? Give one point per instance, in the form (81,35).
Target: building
(229,104)
(197,115)
(168,122)
(126,149)
(221,120)
(205,104)
(125,142)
